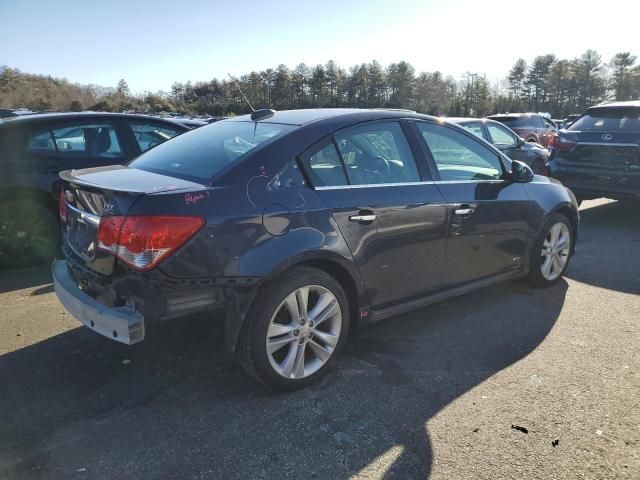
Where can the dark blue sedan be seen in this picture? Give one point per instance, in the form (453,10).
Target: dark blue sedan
(302,225)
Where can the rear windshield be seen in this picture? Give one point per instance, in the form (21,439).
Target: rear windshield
(511,121)
(200,154)
(609,120)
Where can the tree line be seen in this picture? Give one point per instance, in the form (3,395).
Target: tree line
(545,84)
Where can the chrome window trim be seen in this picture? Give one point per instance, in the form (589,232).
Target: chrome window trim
(429,182)
(471,181)
(375,185)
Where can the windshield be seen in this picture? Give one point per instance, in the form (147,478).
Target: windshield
(202,153)
(609,120)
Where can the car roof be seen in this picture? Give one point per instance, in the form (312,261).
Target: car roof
(471,119)
(462,119)
(46,117)
(339,115)
(628,103)
(517,114)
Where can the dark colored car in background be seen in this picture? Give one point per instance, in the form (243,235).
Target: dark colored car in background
(302,224)
(530,126)
(35,148)
(599,154)
(507,141)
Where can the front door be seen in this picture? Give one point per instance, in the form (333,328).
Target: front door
(392,218)
(488,215)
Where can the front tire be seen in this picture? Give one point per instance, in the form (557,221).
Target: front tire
(296,327)
(551,252)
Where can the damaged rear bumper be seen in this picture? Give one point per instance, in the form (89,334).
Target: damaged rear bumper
(122,324)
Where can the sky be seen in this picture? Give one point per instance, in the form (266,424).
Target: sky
(152,43)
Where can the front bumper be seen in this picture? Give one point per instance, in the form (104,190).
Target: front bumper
(122,324)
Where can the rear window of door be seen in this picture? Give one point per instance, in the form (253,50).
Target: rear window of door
(42,143)
(377,153)
(475,128)
(90,140)
(537,122)
(459,157)
(323,164)
(501,136)
(151,134)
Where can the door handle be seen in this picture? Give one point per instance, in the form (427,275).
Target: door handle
(464,210)
(368,217)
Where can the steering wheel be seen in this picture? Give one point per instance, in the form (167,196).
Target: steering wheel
(377,167)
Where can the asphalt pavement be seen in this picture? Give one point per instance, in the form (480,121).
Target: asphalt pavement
(506,382)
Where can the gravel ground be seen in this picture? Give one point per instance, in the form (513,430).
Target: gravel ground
(506,382)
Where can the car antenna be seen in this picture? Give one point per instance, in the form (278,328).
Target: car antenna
(241,93)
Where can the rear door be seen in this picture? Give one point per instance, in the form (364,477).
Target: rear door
(37,163)
(390,213)
(487,215)
(476,128)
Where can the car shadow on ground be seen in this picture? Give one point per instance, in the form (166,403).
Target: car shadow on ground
(20,278)
(608,246)
(175,406)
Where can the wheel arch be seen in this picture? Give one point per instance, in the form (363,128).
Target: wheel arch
(339,267)
(572,215)
(346,281)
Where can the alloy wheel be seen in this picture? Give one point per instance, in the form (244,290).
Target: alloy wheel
(555,251)
(304,331)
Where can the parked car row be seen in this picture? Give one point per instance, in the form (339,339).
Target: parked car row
(505,139)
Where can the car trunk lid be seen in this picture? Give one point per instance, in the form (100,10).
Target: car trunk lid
(91,194)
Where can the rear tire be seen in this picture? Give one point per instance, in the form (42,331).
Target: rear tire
(551,252)
(296,327)
(29,233)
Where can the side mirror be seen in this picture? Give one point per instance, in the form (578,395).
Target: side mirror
(520,172)
(520,141)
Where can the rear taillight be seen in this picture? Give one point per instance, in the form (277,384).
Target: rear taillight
(562,143)
(143,241)
(62,206)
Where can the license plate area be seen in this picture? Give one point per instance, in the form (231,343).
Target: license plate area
(81,232)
